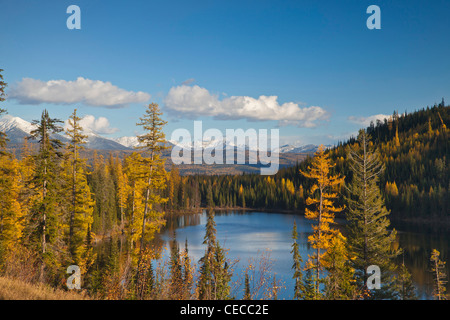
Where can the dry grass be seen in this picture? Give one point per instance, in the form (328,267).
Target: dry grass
(12,289)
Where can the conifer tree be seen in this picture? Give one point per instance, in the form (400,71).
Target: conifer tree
(215,274)
(322,194)
(175,270)
(369,238)
(297,267)
(406,289)
(339,283)
(122,191)
(102,186)
(439,276)
(81,199)
(188,275)
(134,205)
(47,184)
(11,213)
(152,143)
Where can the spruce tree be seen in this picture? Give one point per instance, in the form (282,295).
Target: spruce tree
(369,239)
(81,202)
(188,275)
(175,267)
(297,267)
(406,289)
(46,182)
(215,273)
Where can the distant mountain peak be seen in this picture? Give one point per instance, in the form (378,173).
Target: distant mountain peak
(8,123)
(17,129)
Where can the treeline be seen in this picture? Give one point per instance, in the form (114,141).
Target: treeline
(414,149)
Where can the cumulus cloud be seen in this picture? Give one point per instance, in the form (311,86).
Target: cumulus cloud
(92,125)
(365,121)
(86,91)
(194,101)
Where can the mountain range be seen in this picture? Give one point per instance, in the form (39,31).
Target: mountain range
(17,129)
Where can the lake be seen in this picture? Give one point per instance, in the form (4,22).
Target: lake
(264,240)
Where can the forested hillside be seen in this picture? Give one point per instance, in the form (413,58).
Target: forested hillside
(414,148)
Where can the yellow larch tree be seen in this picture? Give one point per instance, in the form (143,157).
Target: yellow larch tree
(320,207)
(11,214)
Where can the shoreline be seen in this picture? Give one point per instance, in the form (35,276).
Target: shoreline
(414,222)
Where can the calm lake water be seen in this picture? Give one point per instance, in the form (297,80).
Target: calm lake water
(249,236)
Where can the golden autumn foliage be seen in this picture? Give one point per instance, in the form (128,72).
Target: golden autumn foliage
(321,207)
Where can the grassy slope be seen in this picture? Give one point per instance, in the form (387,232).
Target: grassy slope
(12,289)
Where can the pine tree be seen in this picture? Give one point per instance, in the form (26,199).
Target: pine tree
(369,239)
(215,274)
(45,180)
(81,199)
(298,276)
(438,270)
(323,210)
(122,191)
(188,275)
(175,267)
(103,189)
(406,289)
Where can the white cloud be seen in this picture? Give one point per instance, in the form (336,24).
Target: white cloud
(194,101)
(365,121)
(92,125)
(86,91)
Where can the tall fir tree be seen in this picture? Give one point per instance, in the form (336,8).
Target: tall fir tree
(81,198)
(369,239)
(215,273)
(47,183)
(297,265)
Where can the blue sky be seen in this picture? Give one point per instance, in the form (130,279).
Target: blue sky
(216,61)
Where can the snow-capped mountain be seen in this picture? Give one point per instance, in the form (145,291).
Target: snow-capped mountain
(212,144)
(17,129)
(8,123)
(309,148)
(129,142)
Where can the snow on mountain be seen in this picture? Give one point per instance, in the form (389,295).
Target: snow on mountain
(8,123)
(17,128)
(129,142)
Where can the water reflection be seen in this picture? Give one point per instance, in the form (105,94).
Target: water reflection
(246,234)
